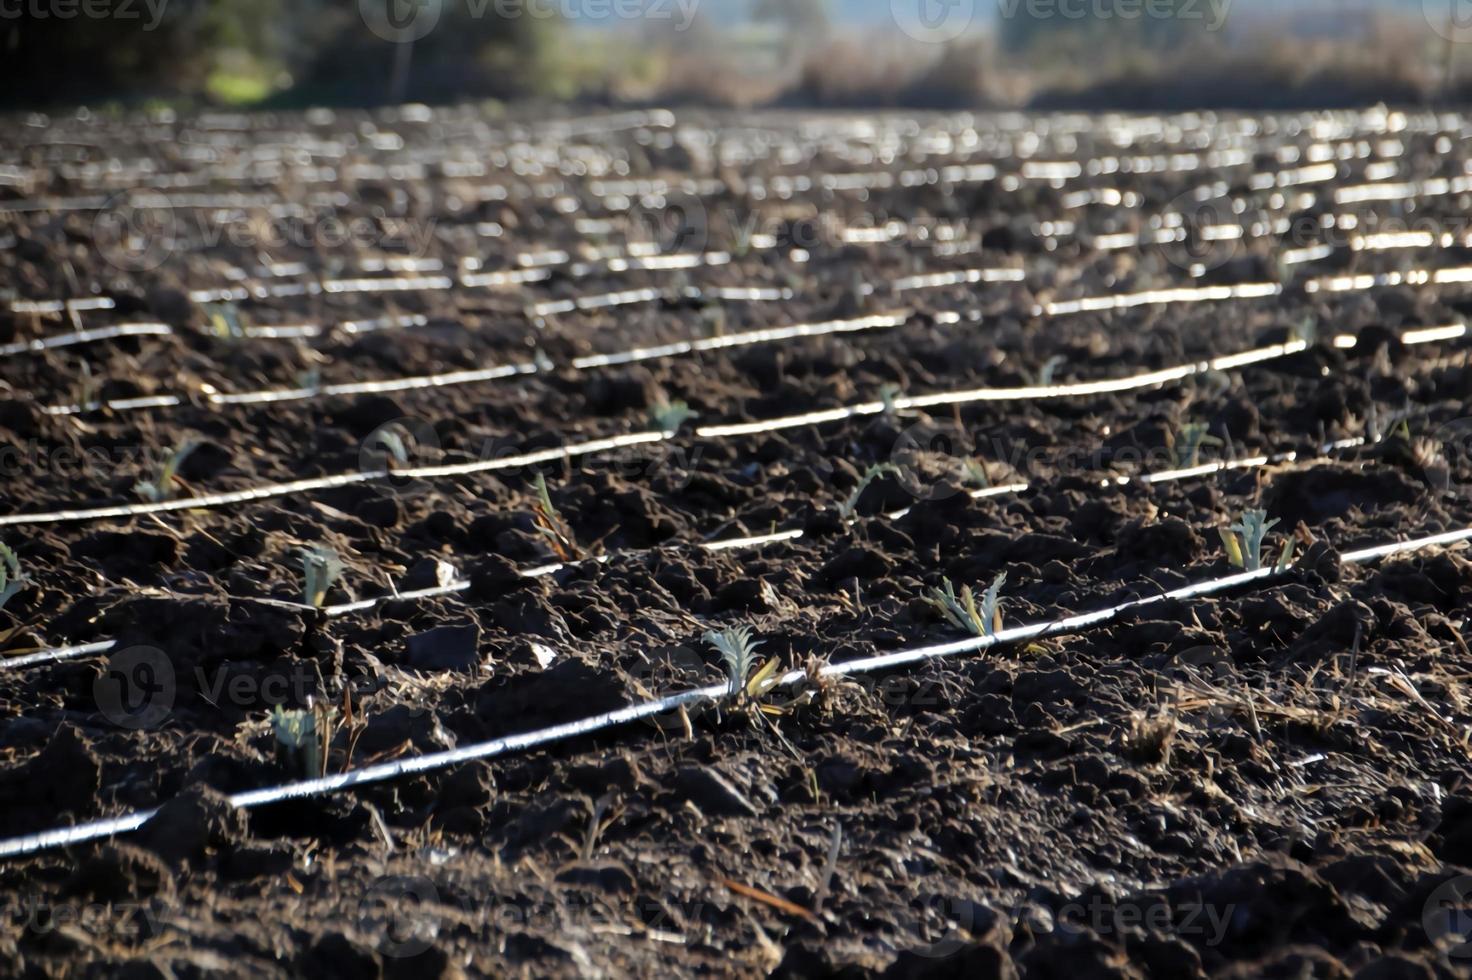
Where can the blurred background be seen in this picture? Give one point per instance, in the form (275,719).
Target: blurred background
(1127,54)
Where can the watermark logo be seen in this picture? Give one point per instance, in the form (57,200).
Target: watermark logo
(1213,12)
(1447,918)
(674,223)
(1452,444)
(1451,19)
(399,913)
(153,10)
(135,232)
(136,689)
(934,21)
(1200,233)
(402,445)
(401,21)
(931,460)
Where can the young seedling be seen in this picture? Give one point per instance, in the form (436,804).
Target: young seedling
(1049,369)
(12,579)
(162,487)
(1306,330)
(87,392)
(224,320)
(847,508)
(888,393)
(321,568)
(309,380)
(962,612)
(745,682)
(1244,540)
(394,440)
(552,527)
(1188,442)
(973,472)
(668,416)
(303,738)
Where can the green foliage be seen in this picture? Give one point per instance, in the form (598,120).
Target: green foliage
(668,416)
(738,653)
(303,738)
(847,508)
(1188,442)
(321,568)
(12,579)
(161,488)
(962,612)
(1244,541)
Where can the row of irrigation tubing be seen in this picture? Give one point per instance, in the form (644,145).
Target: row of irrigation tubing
(100,829)
(593,447)
(1426,335)
(1178,295)
(570,451)
(80,651)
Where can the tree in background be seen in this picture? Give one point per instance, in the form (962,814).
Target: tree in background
(243,50)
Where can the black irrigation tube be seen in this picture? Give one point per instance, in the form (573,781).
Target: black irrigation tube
(368,775)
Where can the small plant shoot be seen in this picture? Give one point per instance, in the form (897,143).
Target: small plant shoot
(321,568)
(962,611)
(161,487)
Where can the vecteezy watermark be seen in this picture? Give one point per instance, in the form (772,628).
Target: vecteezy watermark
(138,232)
(934,21)
(1204,923)
(1452,19)
(136,688)
(129,921)
(135,232)
(140,686)
(406,21)
(400,913)
(399,447)
(1213,13)
(152,11)
(1447,918)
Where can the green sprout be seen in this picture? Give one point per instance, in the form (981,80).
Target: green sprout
(394,440)
(224,319)
(553,527)
(321,568)
(973,471)
(961,610)
(744,681)
(1306,330)
(1049,369)
(87,392)
(1188,442)
(889,392)
(162,488)
(847,508)
(1244,541)
(12,579)
(303,738)
(668,416)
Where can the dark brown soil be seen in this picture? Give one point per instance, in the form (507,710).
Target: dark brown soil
(1273,782)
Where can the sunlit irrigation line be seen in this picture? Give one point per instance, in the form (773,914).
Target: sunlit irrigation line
(499,372)
(569,451)
(67,653)
(86,337)
(432,762)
